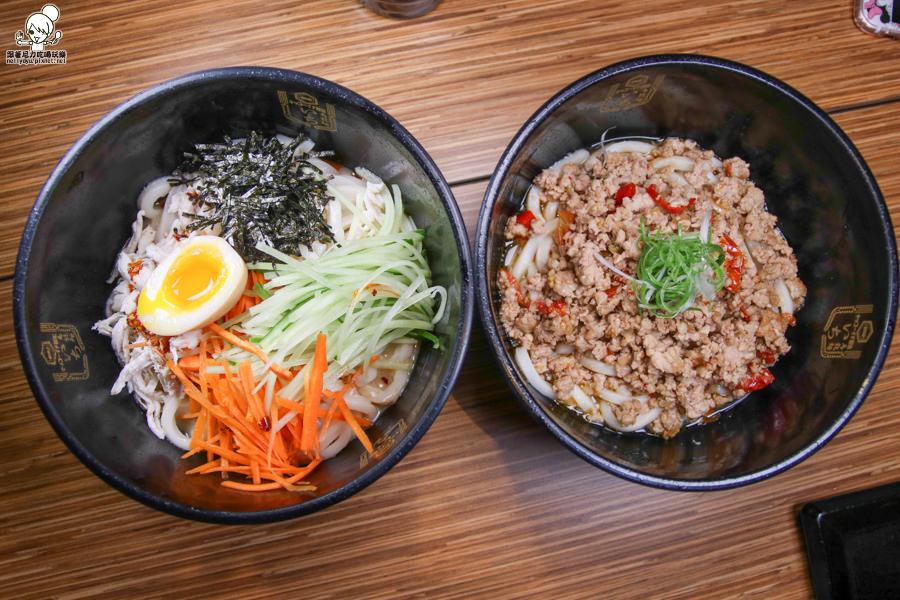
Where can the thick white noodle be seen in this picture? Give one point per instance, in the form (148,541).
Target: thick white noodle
(334,212)
(629,146)
(582,400)
(530,259)
(620,397)
(384,394)
(642,421)
(326,168)
(336,438)
(170,426)
(704,227)
(531,374)
(550,210)
(564,349)
(679,163)
(784,297)
(362,405)
(533,200)
(304,147)
(675,179)
(542,255)
(609,416)
(645,419)
(362,205)
(572,158)
(153,191)
(598,366)
(525,258)
(510,255)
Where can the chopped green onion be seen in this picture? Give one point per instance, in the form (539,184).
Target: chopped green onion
(673,268)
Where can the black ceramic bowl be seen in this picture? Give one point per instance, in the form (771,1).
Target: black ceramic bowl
(83,216)
(829,208)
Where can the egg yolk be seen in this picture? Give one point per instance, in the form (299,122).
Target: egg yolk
(194,277)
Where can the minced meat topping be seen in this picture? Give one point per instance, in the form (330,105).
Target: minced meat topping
(568,288)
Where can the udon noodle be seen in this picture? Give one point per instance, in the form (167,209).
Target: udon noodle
(366,291)
(645,285)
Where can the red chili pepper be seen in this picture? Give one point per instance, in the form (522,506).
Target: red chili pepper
(541,307)
(525,218)
(556,307)
(767,355)
(134,268)
(520,297)
(614,286)
(734,263)
(627,190)
(757,381)
(665,205)
(565,222)
(745,313)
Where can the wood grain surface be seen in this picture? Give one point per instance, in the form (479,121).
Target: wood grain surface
(487,505)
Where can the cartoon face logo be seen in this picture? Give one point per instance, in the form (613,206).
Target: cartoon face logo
(40,29)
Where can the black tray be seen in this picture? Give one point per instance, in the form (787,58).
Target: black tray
(853,544)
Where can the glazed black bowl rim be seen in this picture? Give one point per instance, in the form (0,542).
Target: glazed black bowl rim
(493,334)
(416,431)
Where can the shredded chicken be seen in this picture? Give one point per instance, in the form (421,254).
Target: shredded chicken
(159,225)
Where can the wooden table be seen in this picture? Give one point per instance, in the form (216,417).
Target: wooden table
(487,505)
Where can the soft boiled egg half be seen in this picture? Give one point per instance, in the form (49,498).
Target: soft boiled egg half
(193,286)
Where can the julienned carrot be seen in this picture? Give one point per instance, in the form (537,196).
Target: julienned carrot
(249,298)
(252,348)
(255,403)
(195,361)
(333,396)
(243,435)
(354,424)
(309,440)
(322,414)
(204,385)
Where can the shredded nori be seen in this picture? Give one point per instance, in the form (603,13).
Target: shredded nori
(259,191)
